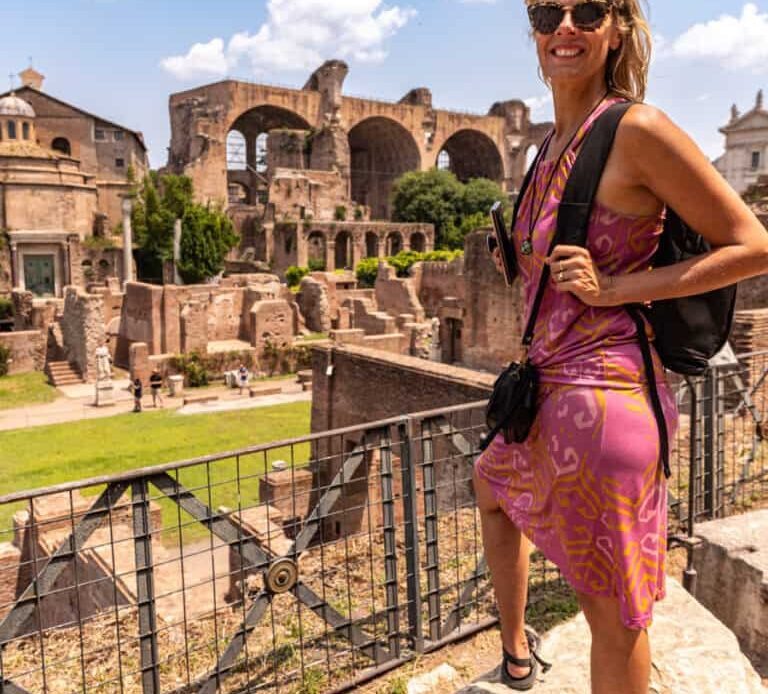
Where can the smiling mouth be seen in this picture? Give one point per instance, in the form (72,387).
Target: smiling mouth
(567,52)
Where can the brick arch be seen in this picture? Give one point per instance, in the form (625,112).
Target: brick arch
(381,150)
(473,154)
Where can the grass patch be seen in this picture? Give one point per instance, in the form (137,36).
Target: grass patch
(25,389)
(44,456)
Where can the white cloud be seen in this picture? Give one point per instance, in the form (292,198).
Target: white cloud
(736,42)
(541,106)
(298,35)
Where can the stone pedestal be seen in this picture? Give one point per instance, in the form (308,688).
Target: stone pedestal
(105,394)
(176,386)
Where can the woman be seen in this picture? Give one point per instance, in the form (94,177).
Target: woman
(586,487)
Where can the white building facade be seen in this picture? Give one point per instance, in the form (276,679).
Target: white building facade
(746,146)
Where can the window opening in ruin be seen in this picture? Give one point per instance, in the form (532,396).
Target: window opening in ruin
(237,155)
(11,130)
(316,247)
(120,163)
(755,161)
(343,251)
(261,152)
(444,161)
(238,194)
(61,144)
(25,130)
(99,134)
(418,242)
(119,135)
(474,155)
(394,243)
(371,245)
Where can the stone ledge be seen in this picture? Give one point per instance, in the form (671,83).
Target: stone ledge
(693,653)
(732,567)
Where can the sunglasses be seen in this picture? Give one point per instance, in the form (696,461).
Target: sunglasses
(546,17)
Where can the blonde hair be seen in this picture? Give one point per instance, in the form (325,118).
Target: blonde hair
(626,72)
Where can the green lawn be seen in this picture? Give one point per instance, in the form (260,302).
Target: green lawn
(25,389)
(43,456)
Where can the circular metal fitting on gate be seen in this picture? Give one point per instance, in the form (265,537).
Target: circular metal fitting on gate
(281,576)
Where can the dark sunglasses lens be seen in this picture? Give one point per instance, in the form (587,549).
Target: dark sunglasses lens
(589,15)
(546,18)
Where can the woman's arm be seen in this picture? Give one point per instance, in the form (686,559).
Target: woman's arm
(661,158)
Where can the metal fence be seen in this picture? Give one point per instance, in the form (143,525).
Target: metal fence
(308,565)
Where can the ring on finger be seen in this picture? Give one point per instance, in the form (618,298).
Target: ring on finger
(560,276)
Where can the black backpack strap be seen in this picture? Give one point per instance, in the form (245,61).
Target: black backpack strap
(584,179)
(573,224)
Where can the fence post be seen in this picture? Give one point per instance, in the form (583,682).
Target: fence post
(411,528)
(145,587)
(713,435)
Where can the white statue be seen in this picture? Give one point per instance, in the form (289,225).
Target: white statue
(435,351)
(103,364)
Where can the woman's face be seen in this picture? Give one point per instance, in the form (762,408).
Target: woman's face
(571,53)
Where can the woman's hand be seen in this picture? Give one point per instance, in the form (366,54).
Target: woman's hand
(573,270)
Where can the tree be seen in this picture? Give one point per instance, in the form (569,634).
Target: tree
(438,197)
(206,238)
(431,197)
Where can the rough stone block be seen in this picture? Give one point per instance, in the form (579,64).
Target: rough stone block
(732,568)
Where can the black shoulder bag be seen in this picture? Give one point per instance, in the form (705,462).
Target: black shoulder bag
(511,408)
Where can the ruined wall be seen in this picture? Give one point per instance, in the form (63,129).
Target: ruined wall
(6,281)
(397,295)
(367,385)
(141,319)
(82,329)
(434,281)
(27,350)
(493,312)
(752,293)
(271,323)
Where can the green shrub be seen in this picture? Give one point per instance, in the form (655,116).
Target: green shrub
(193,368)
(316,265)
(340,213)
(359,214)
(294,275)
(281,360)
(366,272)
(5,358)
(6,308)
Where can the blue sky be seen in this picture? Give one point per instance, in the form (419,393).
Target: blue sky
(123,58)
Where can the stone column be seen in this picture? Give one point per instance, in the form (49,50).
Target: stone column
(301,248)
(176,251)
(127,242)
(381,247)
(330,256)
(15,274)
(358,249)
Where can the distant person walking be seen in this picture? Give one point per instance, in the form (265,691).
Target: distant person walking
(242,377)
(156,384)
(138,391)
(586,487)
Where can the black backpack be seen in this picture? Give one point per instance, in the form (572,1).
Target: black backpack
(689,331)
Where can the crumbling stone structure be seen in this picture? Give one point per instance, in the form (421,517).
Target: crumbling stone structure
(280,155)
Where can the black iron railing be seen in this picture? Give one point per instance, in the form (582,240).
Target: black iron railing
(308,565)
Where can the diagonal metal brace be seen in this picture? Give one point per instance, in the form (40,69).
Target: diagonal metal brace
(327,501)
(42,584)
(354,634)
(8,687)
(459,441)
(227,660)
(221,526)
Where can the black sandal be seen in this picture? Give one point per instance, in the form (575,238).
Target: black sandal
(525,682)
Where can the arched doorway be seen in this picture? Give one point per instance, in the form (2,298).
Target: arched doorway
(472,154)
(343,255)
(381,150)
(418,242)
(237,151)
(394,243)
(316,250)
(61,144)
(371,245)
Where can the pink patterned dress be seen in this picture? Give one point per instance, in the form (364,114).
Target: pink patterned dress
(587,487)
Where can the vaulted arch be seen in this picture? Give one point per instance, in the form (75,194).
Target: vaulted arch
(472,154)
(381,150)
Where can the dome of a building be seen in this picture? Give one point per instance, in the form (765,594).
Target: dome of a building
(12,105)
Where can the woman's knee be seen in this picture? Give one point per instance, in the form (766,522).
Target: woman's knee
(604,618)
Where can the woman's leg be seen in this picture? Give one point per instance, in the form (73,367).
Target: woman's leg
(506,551)
(620,658)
